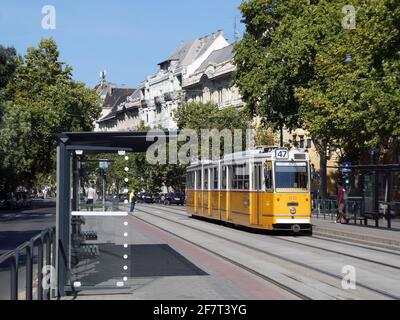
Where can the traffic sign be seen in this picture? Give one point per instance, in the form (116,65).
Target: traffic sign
(346,167)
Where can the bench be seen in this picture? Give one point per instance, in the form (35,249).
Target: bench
(376,216)
(372,216)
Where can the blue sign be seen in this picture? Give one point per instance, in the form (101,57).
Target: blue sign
(346,167)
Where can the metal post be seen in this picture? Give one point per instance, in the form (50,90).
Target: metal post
(48,257)
(14,276)
(54,252)
(63,215)
(40,268)
(104,192)
(29,271)
(346,204)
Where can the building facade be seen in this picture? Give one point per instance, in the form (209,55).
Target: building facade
(154,101)
(212,81)
(201,70)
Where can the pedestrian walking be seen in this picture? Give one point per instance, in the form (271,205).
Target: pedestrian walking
(91,197)
(132,200)
(340,203)
(45,192)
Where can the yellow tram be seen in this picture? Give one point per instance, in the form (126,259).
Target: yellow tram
(265,188)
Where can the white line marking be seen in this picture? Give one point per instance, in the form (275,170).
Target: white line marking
(100,213)
(292,220)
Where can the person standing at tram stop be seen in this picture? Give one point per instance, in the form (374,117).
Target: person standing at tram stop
(340,203)
(132,200)
(91,197)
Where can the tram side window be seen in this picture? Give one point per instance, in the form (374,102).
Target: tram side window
(198,180)
(190,181)
(240,179)
(206,179)
(224,178)
(214,176)
(268,175)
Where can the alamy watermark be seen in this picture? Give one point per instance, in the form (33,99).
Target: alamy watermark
(187,145)
(349,277)
(49,280)
(49,21)
(349,20)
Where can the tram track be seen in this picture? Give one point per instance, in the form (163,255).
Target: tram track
(285,259)
(240,265)
(348,241)
(317,247)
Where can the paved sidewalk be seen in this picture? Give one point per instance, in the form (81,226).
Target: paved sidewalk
(381,236)
(161,266)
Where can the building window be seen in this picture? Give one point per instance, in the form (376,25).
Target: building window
(220,97)
(301,142)
(309,143)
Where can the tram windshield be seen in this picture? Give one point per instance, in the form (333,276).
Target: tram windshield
(291,176)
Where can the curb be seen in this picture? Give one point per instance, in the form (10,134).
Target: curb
(366,239)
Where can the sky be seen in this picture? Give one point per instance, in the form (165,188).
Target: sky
(127,38)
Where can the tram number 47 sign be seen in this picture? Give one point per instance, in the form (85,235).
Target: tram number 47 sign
(282,154)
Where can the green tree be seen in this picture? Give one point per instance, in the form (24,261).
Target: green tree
(291,71)
(44,101)
(269,65)
(8,65)
(197,116)
(355,107)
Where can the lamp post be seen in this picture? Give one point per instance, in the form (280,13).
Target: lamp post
(103,164)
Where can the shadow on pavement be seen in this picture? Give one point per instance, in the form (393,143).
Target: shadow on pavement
(147,260)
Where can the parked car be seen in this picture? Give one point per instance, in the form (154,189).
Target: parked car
(146,197)
(8,201)
(177,198)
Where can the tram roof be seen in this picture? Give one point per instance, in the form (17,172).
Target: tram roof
(265,153)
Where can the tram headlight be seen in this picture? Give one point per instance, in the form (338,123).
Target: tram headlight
(292,210)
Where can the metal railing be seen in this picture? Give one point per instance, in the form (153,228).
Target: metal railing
(355,211)
(45,239)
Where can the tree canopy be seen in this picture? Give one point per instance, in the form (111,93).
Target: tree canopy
(42,100)
(291,69)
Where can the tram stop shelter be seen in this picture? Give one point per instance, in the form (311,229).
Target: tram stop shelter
(74,243)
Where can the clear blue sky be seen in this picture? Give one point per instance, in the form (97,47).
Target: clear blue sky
(126,37)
